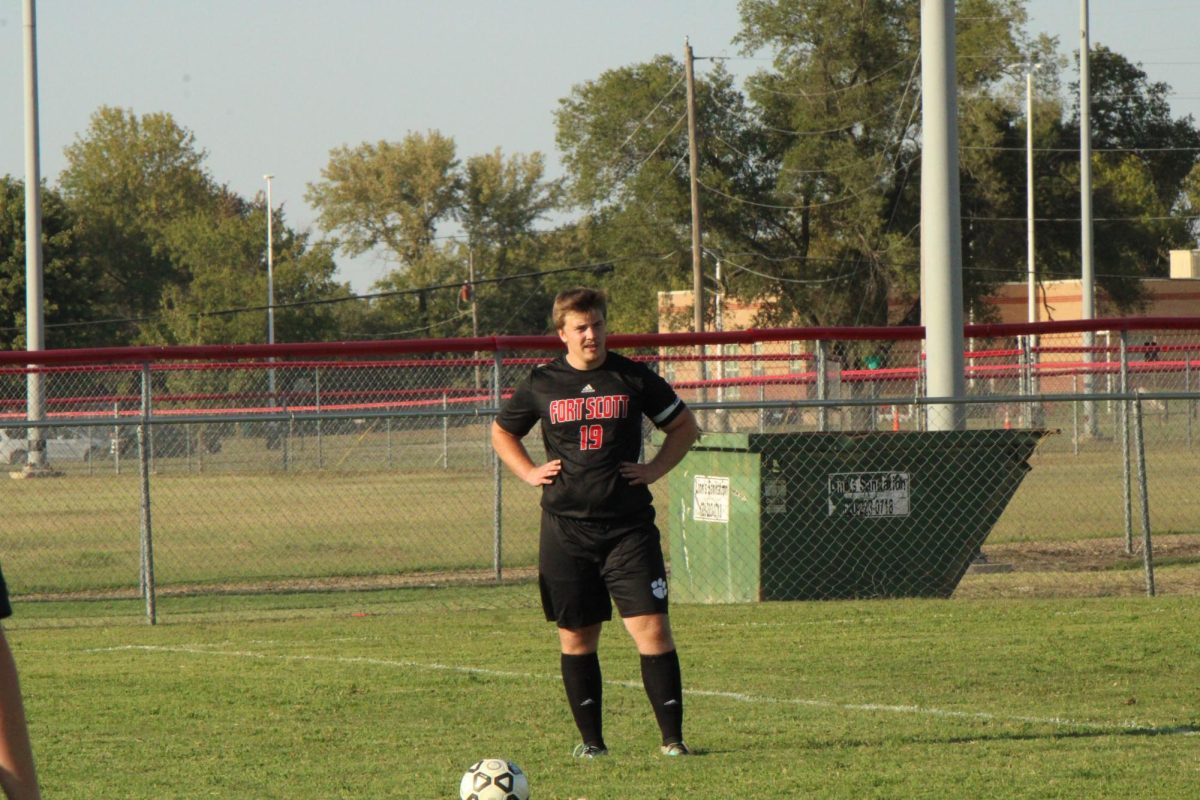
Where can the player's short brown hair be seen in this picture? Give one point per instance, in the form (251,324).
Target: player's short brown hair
(581,300)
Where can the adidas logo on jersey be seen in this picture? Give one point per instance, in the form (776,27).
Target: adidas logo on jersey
(587,389)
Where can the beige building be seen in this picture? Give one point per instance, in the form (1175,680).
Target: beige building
(1175,296)
(792,364)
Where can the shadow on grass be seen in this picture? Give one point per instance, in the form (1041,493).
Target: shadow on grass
(1019,736)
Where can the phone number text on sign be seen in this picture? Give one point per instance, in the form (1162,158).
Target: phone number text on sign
(869,494)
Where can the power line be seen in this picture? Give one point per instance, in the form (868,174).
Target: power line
(804,281)
(1094,149)
(1077,219)
(843,199)
(850,88)
(646,118)
(598,268)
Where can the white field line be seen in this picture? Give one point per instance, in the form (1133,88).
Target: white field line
(1119,726)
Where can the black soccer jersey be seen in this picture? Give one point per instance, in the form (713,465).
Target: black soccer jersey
(592,421)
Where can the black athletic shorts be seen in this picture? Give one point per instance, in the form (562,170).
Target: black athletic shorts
(582,563)
(5,608)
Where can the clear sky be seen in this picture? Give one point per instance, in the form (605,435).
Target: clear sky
(271,86)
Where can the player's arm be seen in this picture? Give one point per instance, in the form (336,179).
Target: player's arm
(512,452)
(680,434)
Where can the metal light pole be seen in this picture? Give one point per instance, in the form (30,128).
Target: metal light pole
(1087,284)
(270,285)
(1031,339)
(1029,222)
(941,235)
(35,392)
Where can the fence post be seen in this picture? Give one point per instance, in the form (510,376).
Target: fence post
(1190,402)
(187,445)
(1075,414)
(1124,416)
(1029,390)
(145,445)
(388,439)
(320,442)
(762,411)
(116,438)
(497,494)
(1147,552)
(822,386)
(445,433)
(919,411)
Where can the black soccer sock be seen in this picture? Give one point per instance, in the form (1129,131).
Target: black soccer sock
(585,693)
(664,687)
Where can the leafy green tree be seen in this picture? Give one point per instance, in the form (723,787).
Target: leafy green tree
(222,294)
(127,179)
(809,182)
(840,117)
(1143,159)
(389,194)
(624,142)
(68,277)
(399,196)
(503,200)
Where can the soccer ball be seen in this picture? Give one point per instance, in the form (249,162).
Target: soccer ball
(494,779)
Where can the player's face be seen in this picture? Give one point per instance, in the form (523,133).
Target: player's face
(584,335)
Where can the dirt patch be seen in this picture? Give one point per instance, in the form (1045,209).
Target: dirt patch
(292,585)
(1091,568)
(1091,555)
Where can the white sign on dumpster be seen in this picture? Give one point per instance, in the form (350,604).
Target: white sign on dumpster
(869,494)
(710,498)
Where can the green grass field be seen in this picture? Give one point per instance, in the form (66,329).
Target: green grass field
(1054,679)
(392,694)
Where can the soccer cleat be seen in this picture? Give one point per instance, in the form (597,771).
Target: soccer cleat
(589,751)
(676,749)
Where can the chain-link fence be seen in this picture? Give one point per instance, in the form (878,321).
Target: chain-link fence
(820,472)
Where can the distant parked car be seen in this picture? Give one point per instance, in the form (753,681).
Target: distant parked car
(62,444)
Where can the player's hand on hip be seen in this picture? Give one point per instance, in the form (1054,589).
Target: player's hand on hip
(546,473)
(638,474)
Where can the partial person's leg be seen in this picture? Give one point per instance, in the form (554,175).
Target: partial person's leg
(583,681)
(637,579)
(660,673)
(17,774)
(574,598)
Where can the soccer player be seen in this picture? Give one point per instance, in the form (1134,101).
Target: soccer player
(17,775)
(598,542)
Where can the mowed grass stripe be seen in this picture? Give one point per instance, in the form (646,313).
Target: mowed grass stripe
(1117,726)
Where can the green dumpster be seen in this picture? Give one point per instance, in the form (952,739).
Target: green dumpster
(791,516)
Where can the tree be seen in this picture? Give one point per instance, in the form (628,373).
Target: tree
(624,143)
(809,190)
(840,118)
(221,296)
(127,180)
(503,199)
(396,196)
(1142,162)
(68,277)
(389,194)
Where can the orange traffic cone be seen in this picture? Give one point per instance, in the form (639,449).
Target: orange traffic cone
(895,418)
(1007,421)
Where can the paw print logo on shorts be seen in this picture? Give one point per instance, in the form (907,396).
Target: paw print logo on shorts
(658,587)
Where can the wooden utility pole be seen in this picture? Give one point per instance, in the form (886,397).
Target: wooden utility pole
(693,176)
(697,252)
(474,307)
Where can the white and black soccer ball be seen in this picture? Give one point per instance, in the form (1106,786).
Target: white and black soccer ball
(494,779)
